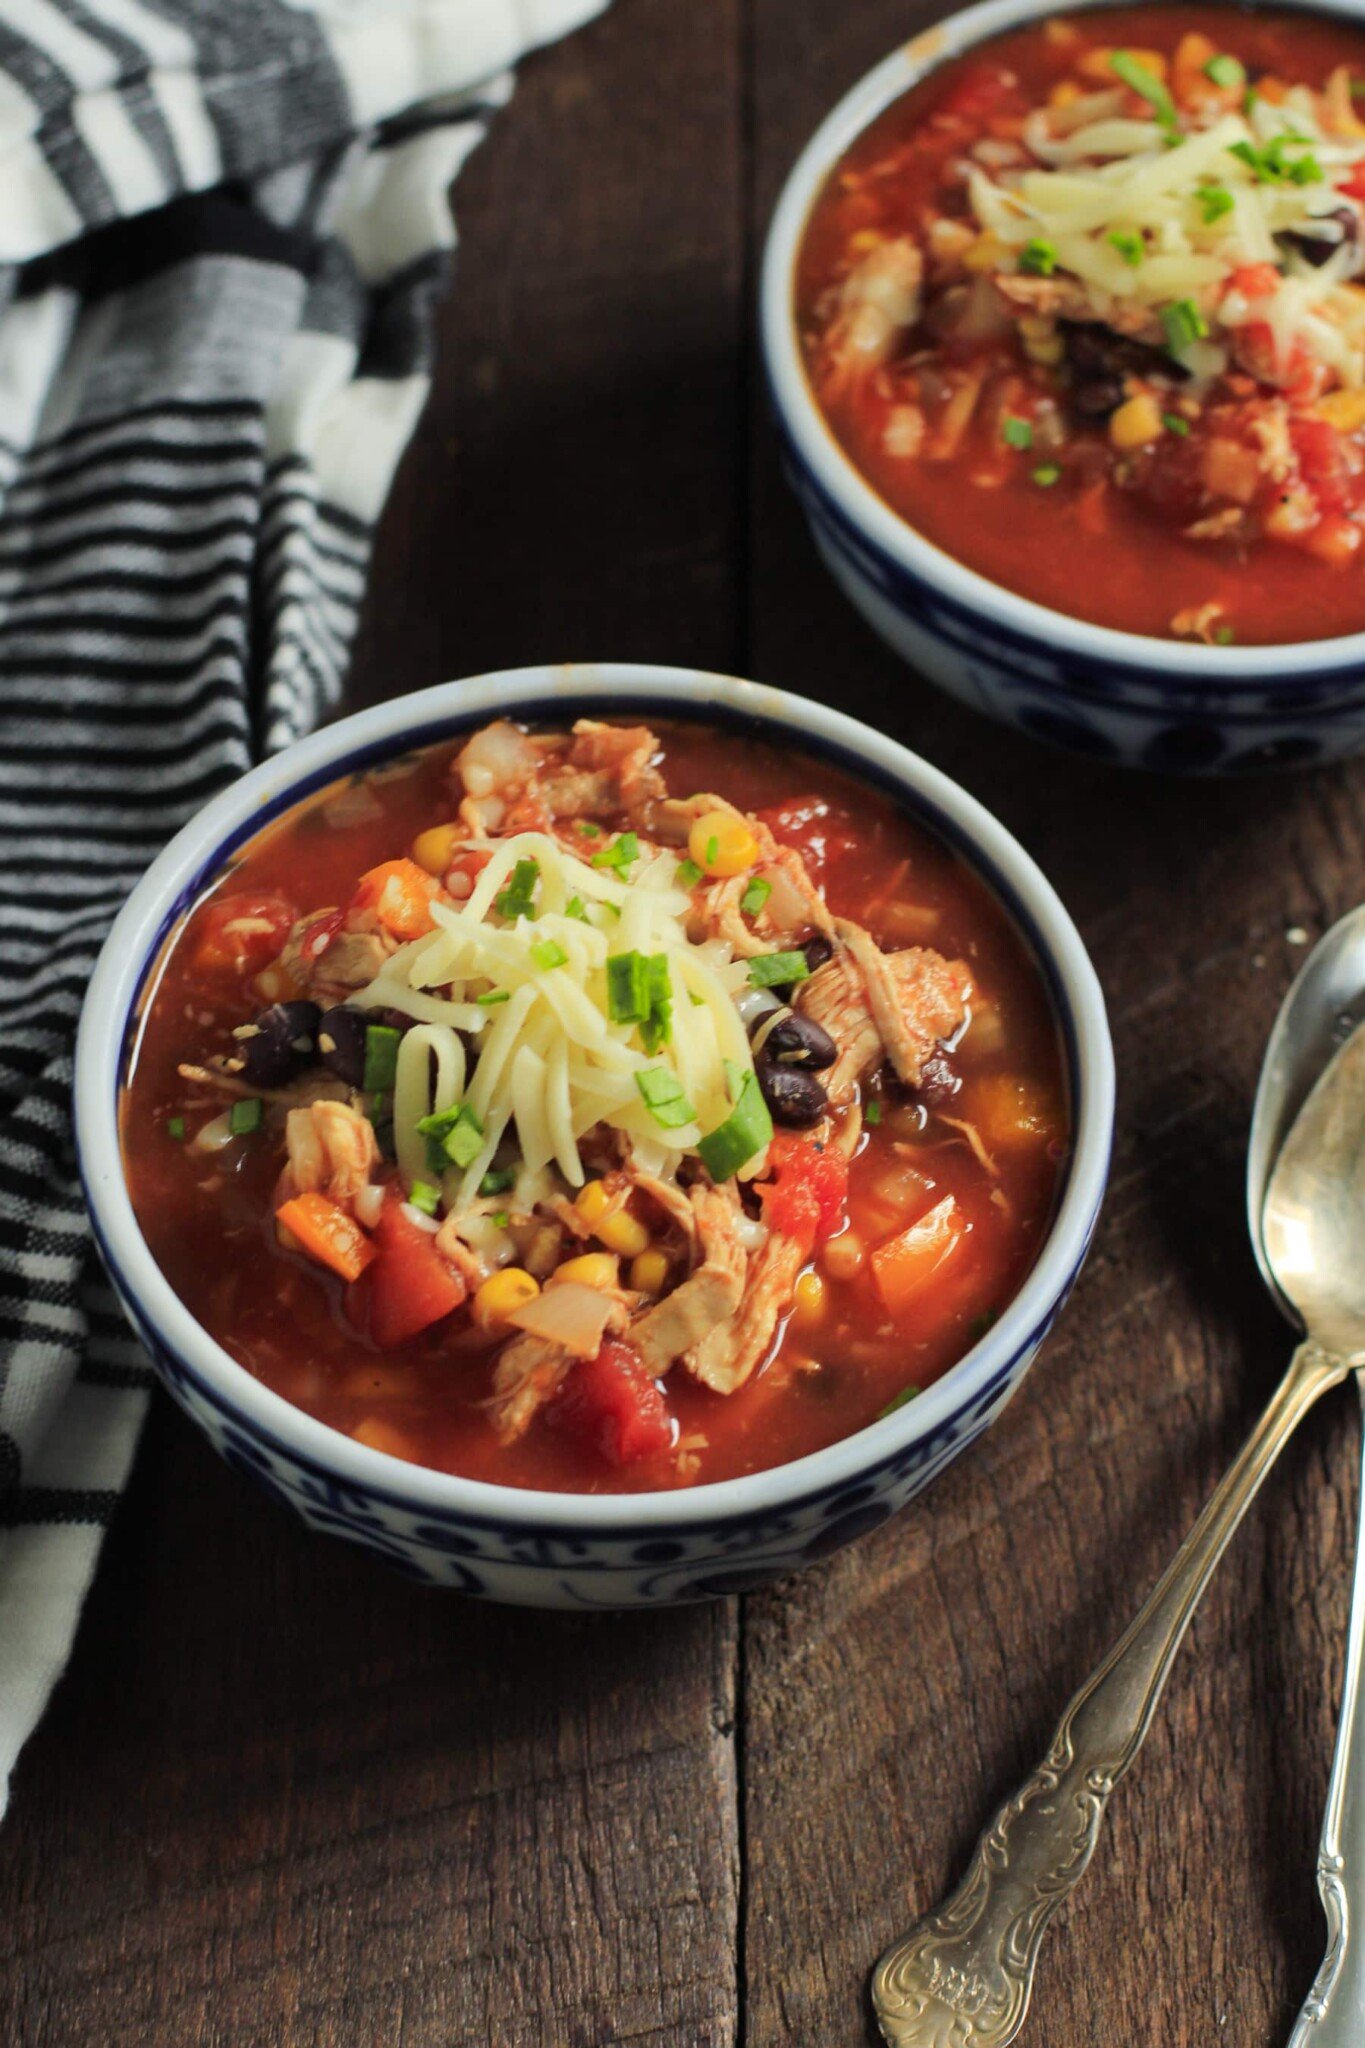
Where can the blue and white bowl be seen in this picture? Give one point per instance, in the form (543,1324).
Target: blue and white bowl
(553,1549)
(1121,697)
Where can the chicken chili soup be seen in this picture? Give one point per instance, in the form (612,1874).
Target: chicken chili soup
(1085,308)
(597,1110)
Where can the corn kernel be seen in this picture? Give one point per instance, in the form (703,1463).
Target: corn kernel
(1064,94)
(275,984)
(985,253)
(1344,410)
(433,848)
(1137,423)
(500,1294)
(592,1202)
(649,1271)
(808,1300)
(621,1232)
(722,844)
(590,1269)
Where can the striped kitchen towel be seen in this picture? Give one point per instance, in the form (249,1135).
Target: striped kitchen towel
(222,227)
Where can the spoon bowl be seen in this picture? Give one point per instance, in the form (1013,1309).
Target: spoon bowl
(1311,1221)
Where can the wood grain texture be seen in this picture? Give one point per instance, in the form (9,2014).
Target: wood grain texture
(284,1800)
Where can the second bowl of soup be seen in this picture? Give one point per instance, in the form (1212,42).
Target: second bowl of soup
(1065,333)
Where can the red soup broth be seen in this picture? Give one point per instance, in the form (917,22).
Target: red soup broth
(1066,517)
(210,1225)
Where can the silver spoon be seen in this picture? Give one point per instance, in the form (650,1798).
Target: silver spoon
(1324,1006)
(962,1976)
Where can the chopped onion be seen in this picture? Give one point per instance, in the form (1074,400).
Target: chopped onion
(567,1313)
(497,757)
(369,1201)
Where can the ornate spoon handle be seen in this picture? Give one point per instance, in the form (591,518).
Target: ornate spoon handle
(961,1977)
(1333,2014)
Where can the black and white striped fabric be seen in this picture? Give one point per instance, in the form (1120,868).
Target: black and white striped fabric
(222,226)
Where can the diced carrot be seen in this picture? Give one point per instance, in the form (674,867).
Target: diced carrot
(1010,1110)
(1255,280)
(397,894)
(410,1285)
(326,1233)
(905,1264)
(1334,540)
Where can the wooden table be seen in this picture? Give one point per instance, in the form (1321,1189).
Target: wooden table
(285,1798)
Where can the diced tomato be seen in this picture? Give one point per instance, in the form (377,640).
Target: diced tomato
(1255,280)
(1354,185)
(1322,460)
(409,1286)
(805,1200)
(981,91)
(611,1402)
(318,935)
(906,1263)
(397,894)
(238,934)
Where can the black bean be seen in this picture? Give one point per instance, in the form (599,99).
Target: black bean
(799,1041)
(937,1082)
(1094,398)
(341,1040)
(817,950)
(1344,227)
(281,1041)
(794,1097)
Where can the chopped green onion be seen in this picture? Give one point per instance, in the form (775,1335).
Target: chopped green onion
(1250,99)
(497,1180)
(620,855)
(1046,475)
(980,1324)
(548,953)
(175,1127)
(1130,246)
(516,899)
(1174,423)
(873,1114)
(1038,258)
(663,1097)
(1273,166)
(381,1057)
(492,996)
(1147,86)
(588,830)
(627,987)
(245,1116)
(1017,433)
(712,850)
(771,970)
(425,1197)
(1358,88)
(1225,636)
(1214,201)
(454,1137)
(1184,323)
(500,1219)
(575,907)
(657,1028)
(688,875)
(903,1398)
(1225,70)
(746,1130)
(755,896)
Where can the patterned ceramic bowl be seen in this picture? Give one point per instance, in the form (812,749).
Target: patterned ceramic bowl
(1123,697)
(553,1549)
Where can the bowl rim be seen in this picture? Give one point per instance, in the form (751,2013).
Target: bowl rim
(1178,661)
(177,877)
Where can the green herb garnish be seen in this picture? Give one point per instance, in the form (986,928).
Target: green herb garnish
(500,1217)
(755,896)
(1038,258)
(1174,423)
(575,907)
(872,1114)
(1017,433)
(620,855)
(1129,245)
(516,899)
(497,1180)
(381,1058)
(664,1099)
(491,997)
(548,953)
(746,1130)
(245,1117)
(1046,475)
(639,992)
(175,1127)
(454,1137)
(1184,323)
(1273,165)
(1225,70)
(979,1325)
(1224,636)
(1214,202)
(903,1398)
(1147,86)
(771,970)
(712,850)
(688,874)
(425,1197)
(588,830)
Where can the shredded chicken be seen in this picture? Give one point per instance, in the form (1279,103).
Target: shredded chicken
(730,1351)
(878,301)
(331,1149)
(874,1003)
(709,1296)
(528,1372)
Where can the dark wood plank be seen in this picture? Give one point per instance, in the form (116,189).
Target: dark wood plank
(894,1696)
(284,1799)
